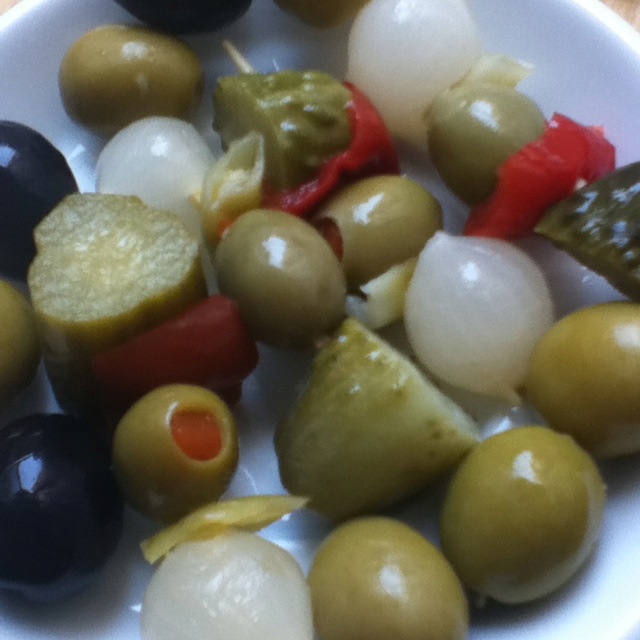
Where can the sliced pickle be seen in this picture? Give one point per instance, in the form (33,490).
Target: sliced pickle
(599,225)
(107,267)
(301,115)
(368,429)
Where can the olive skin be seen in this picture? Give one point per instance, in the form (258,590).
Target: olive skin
(186,16)
(322,14)
(60,508)
(522,514)
(284,277)
(376,578)
(583,378)
(34,178)
(159,477)
(473,129)
(116,74)
(19,344)
(383,221)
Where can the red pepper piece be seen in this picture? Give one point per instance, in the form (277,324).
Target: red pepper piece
(540,174)
(207,345)
(371,152)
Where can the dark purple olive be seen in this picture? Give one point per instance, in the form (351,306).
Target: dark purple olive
(186,16)
(34,177)
(60,508)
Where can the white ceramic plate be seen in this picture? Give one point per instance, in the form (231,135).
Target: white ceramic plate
(587,65)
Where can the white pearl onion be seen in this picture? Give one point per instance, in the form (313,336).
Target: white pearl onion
(403,53)
(235,586)
(474,309)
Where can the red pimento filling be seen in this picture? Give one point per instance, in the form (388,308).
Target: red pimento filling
(197,434)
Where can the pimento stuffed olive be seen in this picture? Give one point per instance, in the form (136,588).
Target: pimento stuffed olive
(174,450)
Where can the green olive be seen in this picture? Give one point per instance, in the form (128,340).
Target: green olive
(116,74)
(383,221)
(522,514)
(175,450)
(473,129)
(377,578)
(284,277)
(583,378)
(19,345)
(322,13)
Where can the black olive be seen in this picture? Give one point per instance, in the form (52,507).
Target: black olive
(186,16)
(34,177)
(60,508)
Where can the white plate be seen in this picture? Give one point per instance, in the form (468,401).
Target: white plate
(587,65)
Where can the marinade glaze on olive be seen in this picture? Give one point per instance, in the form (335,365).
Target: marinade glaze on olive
(60,508)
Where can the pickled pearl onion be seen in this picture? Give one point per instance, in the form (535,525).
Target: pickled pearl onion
(235,586)
(475,308)
(159,159)
(403,53)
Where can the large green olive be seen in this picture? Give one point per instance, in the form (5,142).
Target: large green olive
(19,345)
(377,578)
(473,129)
(322,13)
(522,514)
(284,277)
(583,378)
(115,74)
(175,450)
(382,221)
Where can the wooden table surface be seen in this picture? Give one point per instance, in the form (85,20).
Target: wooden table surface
(628,9)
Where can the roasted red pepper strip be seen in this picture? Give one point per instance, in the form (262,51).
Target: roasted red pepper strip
(371,152)
(540,174)
(207,345)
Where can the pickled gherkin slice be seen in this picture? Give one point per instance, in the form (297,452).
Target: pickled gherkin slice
(368,428)
(599,225)
(302,116)
(107,267)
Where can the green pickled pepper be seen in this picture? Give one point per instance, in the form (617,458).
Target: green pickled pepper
(302,116)
(599,225)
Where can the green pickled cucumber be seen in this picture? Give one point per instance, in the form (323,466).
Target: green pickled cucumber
(599,225)
(368,428)
(107,267)
(301,115)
